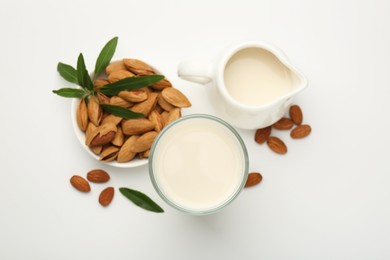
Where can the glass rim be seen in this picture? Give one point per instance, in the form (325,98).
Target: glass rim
(232,196)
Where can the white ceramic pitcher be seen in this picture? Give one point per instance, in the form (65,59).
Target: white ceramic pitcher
(241,114)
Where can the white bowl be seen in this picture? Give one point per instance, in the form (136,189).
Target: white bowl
(81,135)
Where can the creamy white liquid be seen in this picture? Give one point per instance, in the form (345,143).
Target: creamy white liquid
(198,164)
(254,77)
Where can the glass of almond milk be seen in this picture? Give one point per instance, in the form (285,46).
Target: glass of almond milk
(198,164)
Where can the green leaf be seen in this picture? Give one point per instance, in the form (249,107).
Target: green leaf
(70,92)
(67,72)
(121,112)
(130,84)
(82,74)
(105,55)
(141,200)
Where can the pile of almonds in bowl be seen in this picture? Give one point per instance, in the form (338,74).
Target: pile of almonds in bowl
(126,142)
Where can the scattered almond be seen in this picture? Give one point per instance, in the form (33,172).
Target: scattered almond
(283,124)
(276,145)
(80,183)
(106,196)
(254,178)
(300,131)
(262,135)
(98,176)
(296,114)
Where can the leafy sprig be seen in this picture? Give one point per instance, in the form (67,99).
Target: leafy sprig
(141,200)
(81,77)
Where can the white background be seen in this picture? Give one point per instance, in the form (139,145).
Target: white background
(328,198)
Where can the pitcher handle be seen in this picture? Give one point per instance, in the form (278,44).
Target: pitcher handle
(195,71)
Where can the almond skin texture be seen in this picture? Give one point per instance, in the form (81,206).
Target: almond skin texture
(103,139)
(300,131)
(262,135)
(175,97)
(106,196)
(144,142)
(276,145)
(254,178)
(80,183)
(283,124)
(98,176)
(82,116)
(136,126)
(296,114)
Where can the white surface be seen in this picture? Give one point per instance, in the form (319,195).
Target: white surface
(328,198)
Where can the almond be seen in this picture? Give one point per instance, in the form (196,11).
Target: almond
(276,145)
(296,114)
(103,98)
(300,131)
(98,83)
(103,134)
(82,116)
(114,66)
(109,153)
(98,176)
(96,149)
(138,67)
(95,111)
(175,97)
(119,137)
(80,183)
(118,75)
(118,101)
(144,142)
(146,106)
(157,120)
(90,133)
(162,84)
(136,126)
(172,116)
(125,154)
(262,135)
(283,124)
(111,119)
(106,196)
(134,95)
(103,139)
(164,116)
(164,104)
(254,178)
